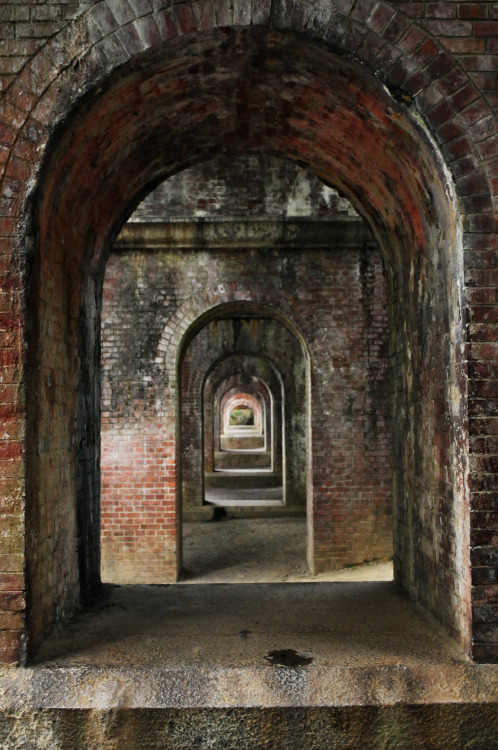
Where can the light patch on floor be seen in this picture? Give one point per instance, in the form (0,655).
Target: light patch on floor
(246,550)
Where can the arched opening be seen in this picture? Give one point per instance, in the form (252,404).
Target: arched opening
(241,414)
(303,103)
(244,346)
(237,358)
(358,335)
(233,425)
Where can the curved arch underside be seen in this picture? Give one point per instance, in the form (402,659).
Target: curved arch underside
(244,90)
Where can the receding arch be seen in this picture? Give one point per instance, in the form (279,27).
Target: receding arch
(232,372)
(321,110)
(242,402)
(201,344)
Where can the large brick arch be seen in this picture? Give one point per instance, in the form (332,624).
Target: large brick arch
(405,55)
(400,47)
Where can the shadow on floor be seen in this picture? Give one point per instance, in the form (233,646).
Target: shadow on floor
(257,550)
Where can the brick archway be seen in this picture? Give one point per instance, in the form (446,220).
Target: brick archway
(242,400)
(417,228)
(229,375)
(207,360)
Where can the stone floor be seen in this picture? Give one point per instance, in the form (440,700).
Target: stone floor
(294,666)
(254,645)
(237,625)
(257,550)
(306,665)
(231,666)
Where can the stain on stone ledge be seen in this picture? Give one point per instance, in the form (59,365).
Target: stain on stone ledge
(288,657)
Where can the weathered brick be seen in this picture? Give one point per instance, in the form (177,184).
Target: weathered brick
(464,46)
(464,96)
(472,10)
(121,10)
(486,28)
(486,634)
(452,80)
(448,132)
(466,91)
(413,38)
(184,18)
(12,601)
(458,148)
(480,62)
(381,16)
(441,10)
(204,14)
(483,576)
(165,23)
(397,26)
(449,28)
(488,147)
(361,10)
(486,613)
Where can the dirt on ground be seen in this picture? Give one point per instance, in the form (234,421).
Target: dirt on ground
(245,550)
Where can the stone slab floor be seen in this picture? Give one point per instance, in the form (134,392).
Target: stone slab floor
(255,645)
(259,550)
(307,665)
(262,666)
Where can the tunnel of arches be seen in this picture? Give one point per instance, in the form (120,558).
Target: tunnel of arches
(296,100)
(236,359)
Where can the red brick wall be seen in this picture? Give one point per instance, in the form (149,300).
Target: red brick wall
(292,97)
(337,298)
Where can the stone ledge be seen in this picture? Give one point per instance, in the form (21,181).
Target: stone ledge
(41,688)
(399,727)
(150,667)
(329,233)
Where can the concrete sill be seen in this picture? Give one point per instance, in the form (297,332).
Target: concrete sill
(205,646)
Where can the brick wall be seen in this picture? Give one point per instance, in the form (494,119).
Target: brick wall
(82,117)
(337,299)
(270,188)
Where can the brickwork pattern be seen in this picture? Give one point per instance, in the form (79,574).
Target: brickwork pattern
(351,510)
(270,188)
(438,58)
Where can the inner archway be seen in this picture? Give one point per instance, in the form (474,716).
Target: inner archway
(322,112)
(243,412)
(358,425)
(246,345)
(235,359)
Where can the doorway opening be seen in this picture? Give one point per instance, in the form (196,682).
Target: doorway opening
(246,516)
(243,461)
(245,357)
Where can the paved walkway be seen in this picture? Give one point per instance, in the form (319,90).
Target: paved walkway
(240,550)
(297,644)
